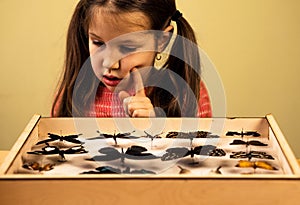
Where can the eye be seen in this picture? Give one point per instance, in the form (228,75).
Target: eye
(98,43)
(127,49)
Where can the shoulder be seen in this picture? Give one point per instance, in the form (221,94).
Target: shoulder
(204,105)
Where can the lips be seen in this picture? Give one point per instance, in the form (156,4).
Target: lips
(111,80)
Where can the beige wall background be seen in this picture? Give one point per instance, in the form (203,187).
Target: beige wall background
(255,46)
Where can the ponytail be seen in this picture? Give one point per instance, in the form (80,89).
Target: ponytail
(185,62)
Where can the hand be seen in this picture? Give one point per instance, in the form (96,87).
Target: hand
(138,105)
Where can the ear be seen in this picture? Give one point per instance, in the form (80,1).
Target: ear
(165,39)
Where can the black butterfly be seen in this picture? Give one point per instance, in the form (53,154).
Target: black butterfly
(111,170)
(180,152)
(252,142)
(250,155)
(50,150)
(191,135)
(54,137)
(133,152)
(126,135)
(242,133)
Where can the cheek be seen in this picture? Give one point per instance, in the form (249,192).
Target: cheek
(92,48)
(138,60)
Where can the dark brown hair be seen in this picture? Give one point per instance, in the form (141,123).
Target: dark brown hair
(159,13)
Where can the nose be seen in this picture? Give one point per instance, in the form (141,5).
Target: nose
(110,61)
(115,66)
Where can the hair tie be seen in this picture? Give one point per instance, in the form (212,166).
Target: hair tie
(177,14)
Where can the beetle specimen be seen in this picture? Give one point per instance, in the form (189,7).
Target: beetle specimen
(68,138)
(126,135)
(50,150)
(250,155)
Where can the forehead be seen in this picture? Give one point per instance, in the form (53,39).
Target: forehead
(109,24)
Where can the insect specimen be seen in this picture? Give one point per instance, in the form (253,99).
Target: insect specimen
(50,150)
(37,167)
(216,171)
(183,170)
(103,170)
(242,133)
(180,152)
(134,152)
(247,143)
(137,171)
(111,170)
(152,137)
(191,135)
(217,153)
(255,164)
(68,138)
(126,135)
(250,155)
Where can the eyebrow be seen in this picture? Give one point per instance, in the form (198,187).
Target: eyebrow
(126,41)
(92,34)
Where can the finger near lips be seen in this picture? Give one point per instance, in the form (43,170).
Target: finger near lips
(132,106)
(138,105)
(138,82)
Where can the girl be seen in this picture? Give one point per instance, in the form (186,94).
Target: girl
(96,83)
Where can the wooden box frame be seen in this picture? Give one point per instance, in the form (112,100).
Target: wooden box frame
(34,189)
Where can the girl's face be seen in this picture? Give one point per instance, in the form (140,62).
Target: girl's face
(115,50)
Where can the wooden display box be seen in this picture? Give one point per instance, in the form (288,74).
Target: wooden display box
(202,185)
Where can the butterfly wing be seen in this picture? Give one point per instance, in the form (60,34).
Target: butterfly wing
(172,134)
(252,133)
(204,150)
(139,153)
(245,164)
(72,138)
(232,133)
(264,165)
(256,143)
(108,170)
(109,154)
(238,142)
(175,153)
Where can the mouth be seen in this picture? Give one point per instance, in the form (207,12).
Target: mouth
(111,80)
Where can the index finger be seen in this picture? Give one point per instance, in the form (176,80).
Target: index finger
(138,83)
